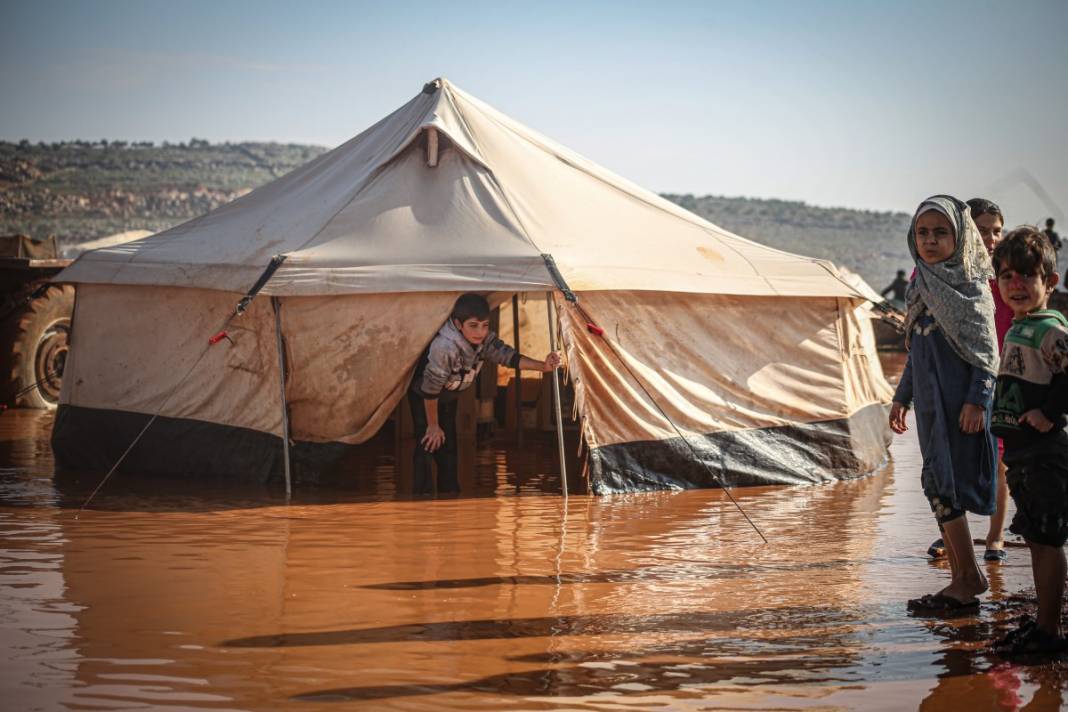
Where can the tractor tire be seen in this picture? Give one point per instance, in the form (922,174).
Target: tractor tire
(38,336)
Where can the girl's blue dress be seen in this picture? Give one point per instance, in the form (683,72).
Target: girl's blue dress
(958,469)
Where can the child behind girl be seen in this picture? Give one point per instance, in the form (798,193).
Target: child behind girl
(949,374)
(990,221)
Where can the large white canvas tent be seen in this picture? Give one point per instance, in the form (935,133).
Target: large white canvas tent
(720,360)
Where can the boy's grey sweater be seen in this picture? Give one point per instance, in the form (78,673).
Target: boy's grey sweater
(452,362)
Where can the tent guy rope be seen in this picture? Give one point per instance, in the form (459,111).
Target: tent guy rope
(598,331)
(550,264)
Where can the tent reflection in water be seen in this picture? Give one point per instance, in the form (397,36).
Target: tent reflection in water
(759,358)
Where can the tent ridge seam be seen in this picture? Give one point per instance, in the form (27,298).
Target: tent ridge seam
(493,175)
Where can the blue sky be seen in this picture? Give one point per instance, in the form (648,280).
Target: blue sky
(861,104)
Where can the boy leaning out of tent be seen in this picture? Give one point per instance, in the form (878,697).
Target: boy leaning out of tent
(447,368)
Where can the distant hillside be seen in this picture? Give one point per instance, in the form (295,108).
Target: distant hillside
(82,190)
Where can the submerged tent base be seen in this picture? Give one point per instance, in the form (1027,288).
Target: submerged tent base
(92,440)
(803,453)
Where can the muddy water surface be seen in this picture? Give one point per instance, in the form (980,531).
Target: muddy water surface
(174,595)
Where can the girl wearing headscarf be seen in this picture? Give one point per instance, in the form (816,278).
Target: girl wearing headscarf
(990,220)
(949,378)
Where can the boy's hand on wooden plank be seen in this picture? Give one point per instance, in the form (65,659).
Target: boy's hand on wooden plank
(897,417)
(552,361)
(1037,420)
(434,438)
(971,418)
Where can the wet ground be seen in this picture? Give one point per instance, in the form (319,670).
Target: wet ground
(177,595)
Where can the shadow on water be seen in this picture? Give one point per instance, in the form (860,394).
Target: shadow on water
(733,646)
(581,681)
(735,622)
(739,648)
(689,571)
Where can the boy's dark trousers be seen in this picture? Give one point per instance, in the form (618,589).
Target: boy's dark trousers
(445,456)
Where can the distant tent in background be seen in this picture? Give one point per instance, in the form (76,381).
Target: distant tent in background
(756,355)
(887,321)
(857,282)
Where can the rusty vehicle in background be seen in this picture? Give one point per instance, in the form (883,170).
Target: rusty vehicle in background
(34,322)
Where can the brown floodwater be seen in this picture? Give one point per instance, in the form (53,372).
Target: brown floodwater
(182,595)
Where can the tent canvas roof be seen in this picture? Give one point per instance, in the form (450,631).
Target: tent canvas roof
(372,216)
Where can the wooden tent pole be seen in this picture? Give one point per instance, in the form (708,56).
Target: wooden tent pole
(517,380)
(282,381)
(556,396)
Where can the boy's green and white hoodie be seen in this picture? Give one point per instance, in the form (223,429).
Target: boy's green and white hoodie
(1033,374)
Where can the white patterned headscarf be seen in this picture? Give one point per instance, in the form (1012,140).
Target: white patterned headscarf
(956,290)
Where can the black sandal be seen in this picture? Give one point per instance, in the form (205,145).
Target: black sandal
(938,603)
(1030,640)
(1009,639)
